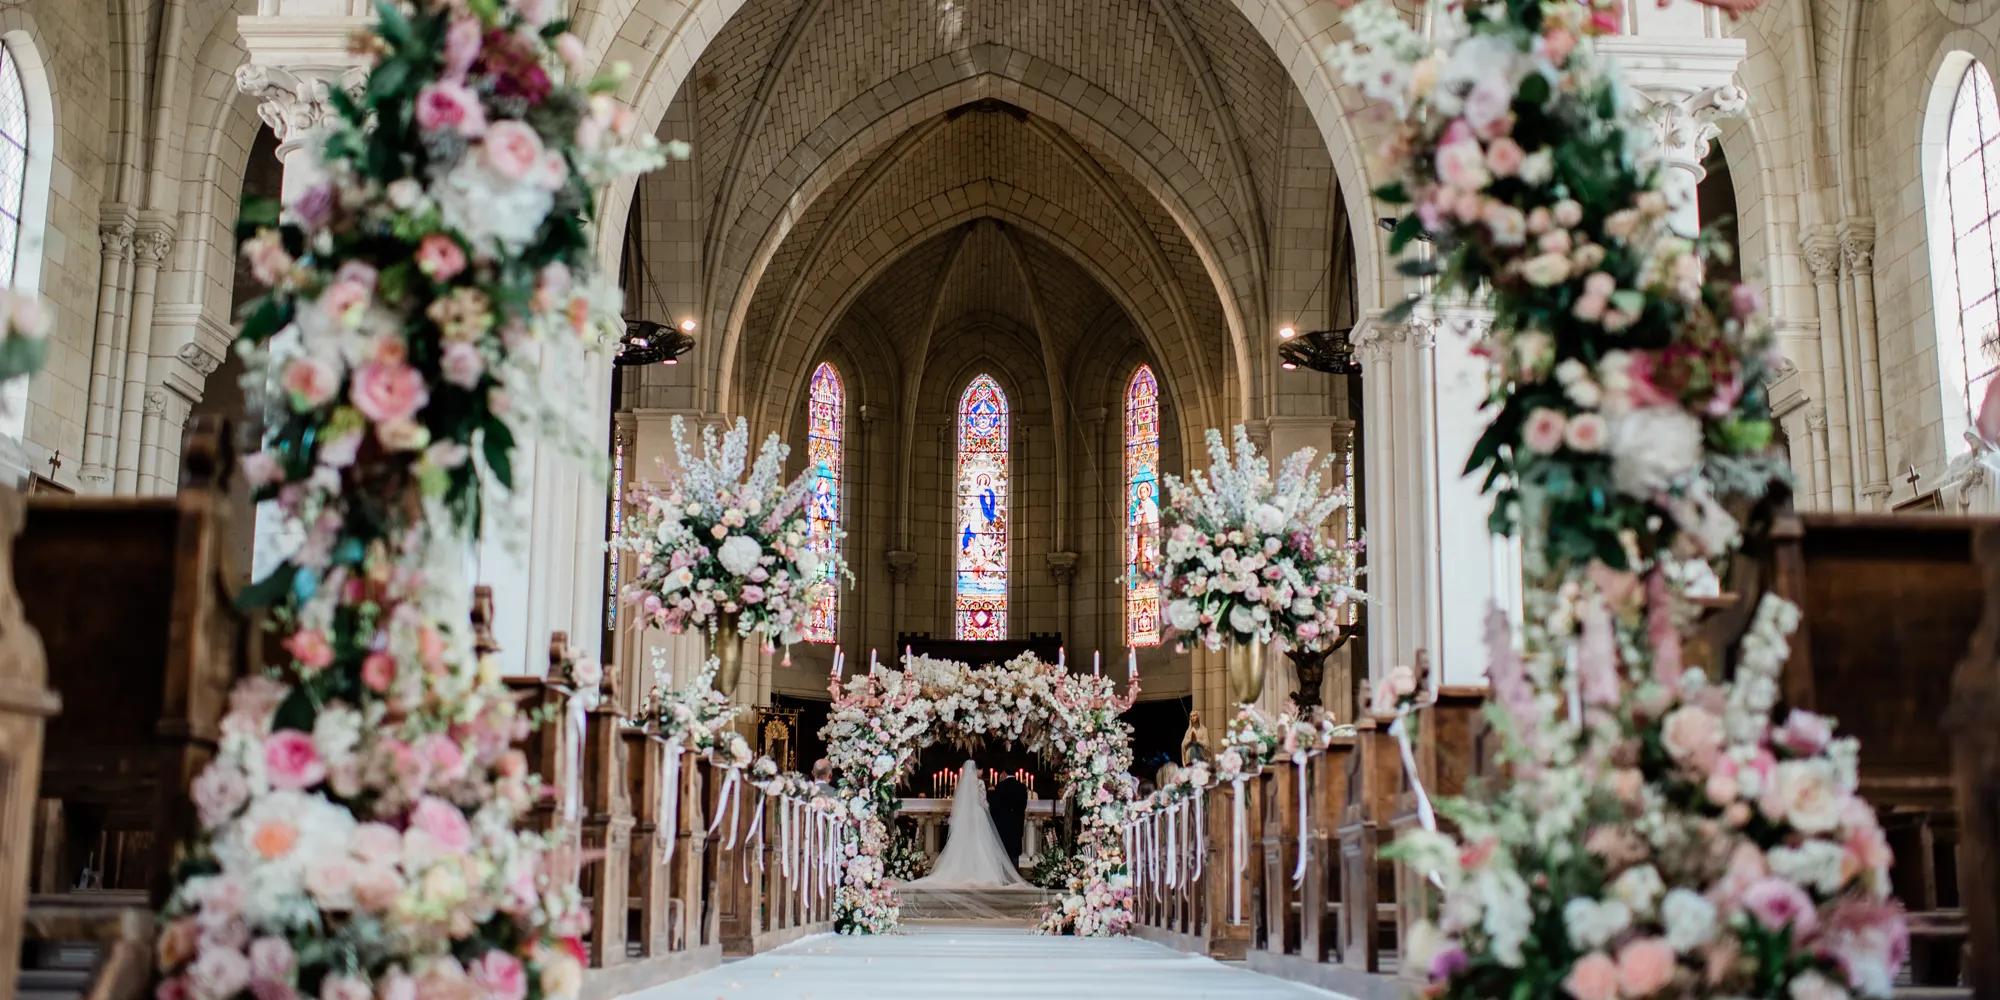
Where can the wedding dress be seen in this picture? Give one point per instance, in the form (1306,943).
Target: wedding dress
(973,857)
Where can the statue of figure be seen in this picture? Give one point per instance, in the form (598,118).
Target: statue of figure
(1194,746)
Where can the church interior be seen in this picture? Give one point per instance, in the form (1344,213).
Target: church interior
(991,271)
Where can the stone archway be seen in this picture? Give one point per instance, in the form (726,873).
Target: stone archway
(882,717)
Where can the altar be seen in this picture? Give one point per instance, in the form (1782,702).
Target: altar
(932,815)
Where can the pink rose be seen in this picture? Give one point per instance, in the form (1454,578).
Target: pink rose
(1593,977)
(272,958)
(261,468)
(1777,903)
(1692,736)
(512,149)
(1645,967)
(1545,431)
(218,972)
(570,49)
(396,986)
(441,824)
(1504,157)
(378,671)
(376,888)
(310,648)
(552,171)
(331,881)
(387,393)
(218,792)
(291,762)
(310,381)
(446,759)
(1804,733)
(345,988)
(1745,301)
(1587,433)
(341,300)
(462,364)
(375,843)
(461,47)
(446,106)
(442,979)
(499,976)
(1462,164)
(1722,787)
(441,257)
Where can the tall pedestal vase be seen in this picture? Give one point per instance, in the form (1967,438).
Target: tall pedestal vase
(1244,664)
(726,645)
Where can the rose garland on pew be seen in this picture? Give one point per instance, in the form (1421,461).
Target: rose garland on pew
(1660,832)
(434,299)
(882,717)
(696,718)
(1251,744)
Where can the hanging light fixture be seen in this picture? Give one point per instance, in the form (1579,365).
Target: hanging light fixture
(647,342)
(1326,351)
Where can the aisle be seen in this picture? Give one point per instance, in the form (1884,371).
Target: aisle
(933,961)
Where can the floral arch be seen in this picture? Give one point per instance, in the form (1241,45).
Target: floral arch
(881,718)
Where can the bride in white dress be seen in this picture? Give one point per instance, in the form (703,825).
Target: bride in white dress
(973,858)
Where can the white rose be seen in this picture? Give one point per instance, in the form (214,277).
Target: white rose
(1690,920)
(1267,518)
(1242,619)
(1810,796)
(739,554)
(1183,615)
(1653,447)
(1591,923)
(1639,888)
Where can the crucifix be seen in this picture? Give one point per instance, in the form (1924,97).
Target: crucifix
(55,463)
(1912,479)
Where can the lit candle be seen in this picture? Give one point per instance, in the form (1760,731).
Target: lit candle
(1132,664)
(1097,663)
(874,663)
(837,659)
(1062,657)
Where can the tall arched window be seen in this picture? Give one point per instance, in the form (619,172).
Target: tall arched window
(1972,205)
(13,161)
(1142,508)
(826,425)
(981,540)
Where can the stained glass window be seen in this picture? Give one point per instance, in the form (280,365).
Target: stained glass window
(982,512)
(1142,509)
(13,161)
(826,423)
(1972,199)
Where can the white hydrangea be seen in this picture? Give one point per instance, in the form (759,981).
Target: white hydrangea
(488,209)
(1689,918)
(1592,922)
(739,554)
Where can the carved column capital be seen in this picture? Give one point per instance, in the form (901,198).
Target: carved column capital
(1816,419)
(198,358)
(1858,250)
(151,242)
(155,402)
(1822,253)
(1684,123)
(295,103)
(1062,567)
(902,565)
(114,238)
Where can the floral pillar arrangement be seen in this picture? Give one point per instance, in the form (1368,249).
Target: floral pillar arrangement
(1245,561)
(1660,832)
(725,553)
(433,299)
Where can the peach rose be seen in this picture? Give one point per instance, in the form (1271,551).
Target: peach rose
(1692,736)
(1544,432)
(1645,967)
(1594,977)
(512,149)
(310,382)
(387,393)
(441,257)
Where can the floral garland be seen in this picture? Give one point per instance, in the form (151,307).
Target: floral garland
(1660,833)
(433,297)
(881,718)
(1244,560)
(715,546)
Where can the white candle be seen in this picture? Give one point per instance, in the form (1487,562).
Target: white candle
(1097,663)
(1062,657)
(874,663)
(1131,663)
(836,662)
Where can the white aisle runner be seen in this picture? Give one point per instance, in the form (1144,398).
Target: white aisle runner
(940,961)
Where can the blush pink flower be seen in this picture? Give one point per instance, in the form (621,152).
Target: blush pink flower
(446,106)
(378,671)
(1594,977)
(442,824)
(461,46)
(441,257)
(310,648)
(386,393)
(291,762)
(1645,967)
(310,382)
(1692,736)
(499,976)
(512,149)
(261,468)
(462,364)
(1777,903)
(1544,431)
(1804,733)
(1588,433)
(218,792)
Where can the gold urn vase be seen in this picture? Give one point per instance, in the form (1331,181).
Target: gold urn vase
(1245,663)
(726,645)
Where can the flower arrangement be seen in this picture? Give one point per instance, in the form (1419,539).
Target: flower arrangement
(881,718)
(717,547)
(358,826)
(1244,559)
(905,860)
(1660,834)
(24,335)
(695,716)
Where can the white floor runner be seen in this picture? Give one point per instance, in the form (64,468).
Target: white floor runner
(937,961)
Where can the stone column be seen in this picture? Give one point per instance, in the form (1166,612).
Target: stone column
(149,243)
(1377,342)
(902,564)
(1685,81)
(1062,569)
(1822,257)
(114,241)
(1857,249)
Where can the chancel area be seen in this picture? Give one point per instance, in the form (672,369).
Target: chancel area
(544,498)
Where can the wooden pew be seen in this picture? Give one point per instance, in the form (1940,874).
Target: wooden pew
(25,702)
(134,603)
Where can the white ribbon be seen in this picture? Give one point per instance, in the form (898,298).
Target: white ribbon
(1305,811)
(1200,831)
(755,835)
(785,837)
(1174,846)
(1424,814)
(669,831)
(732,790)
(1238,855)
(576,718)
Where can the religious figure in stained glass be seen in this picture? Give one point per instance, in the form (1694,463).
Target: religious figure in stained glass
(981,537)
(826,414)
(1142,509)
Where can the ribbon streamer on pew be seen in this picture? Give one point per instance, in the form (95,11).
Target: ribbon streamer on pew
(576,716)
(785,810)
(754,840)
(1305,811)
(1239,854)
(732,792)
(1200,831)
(1401,731)
(1174,846)
(670,797)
